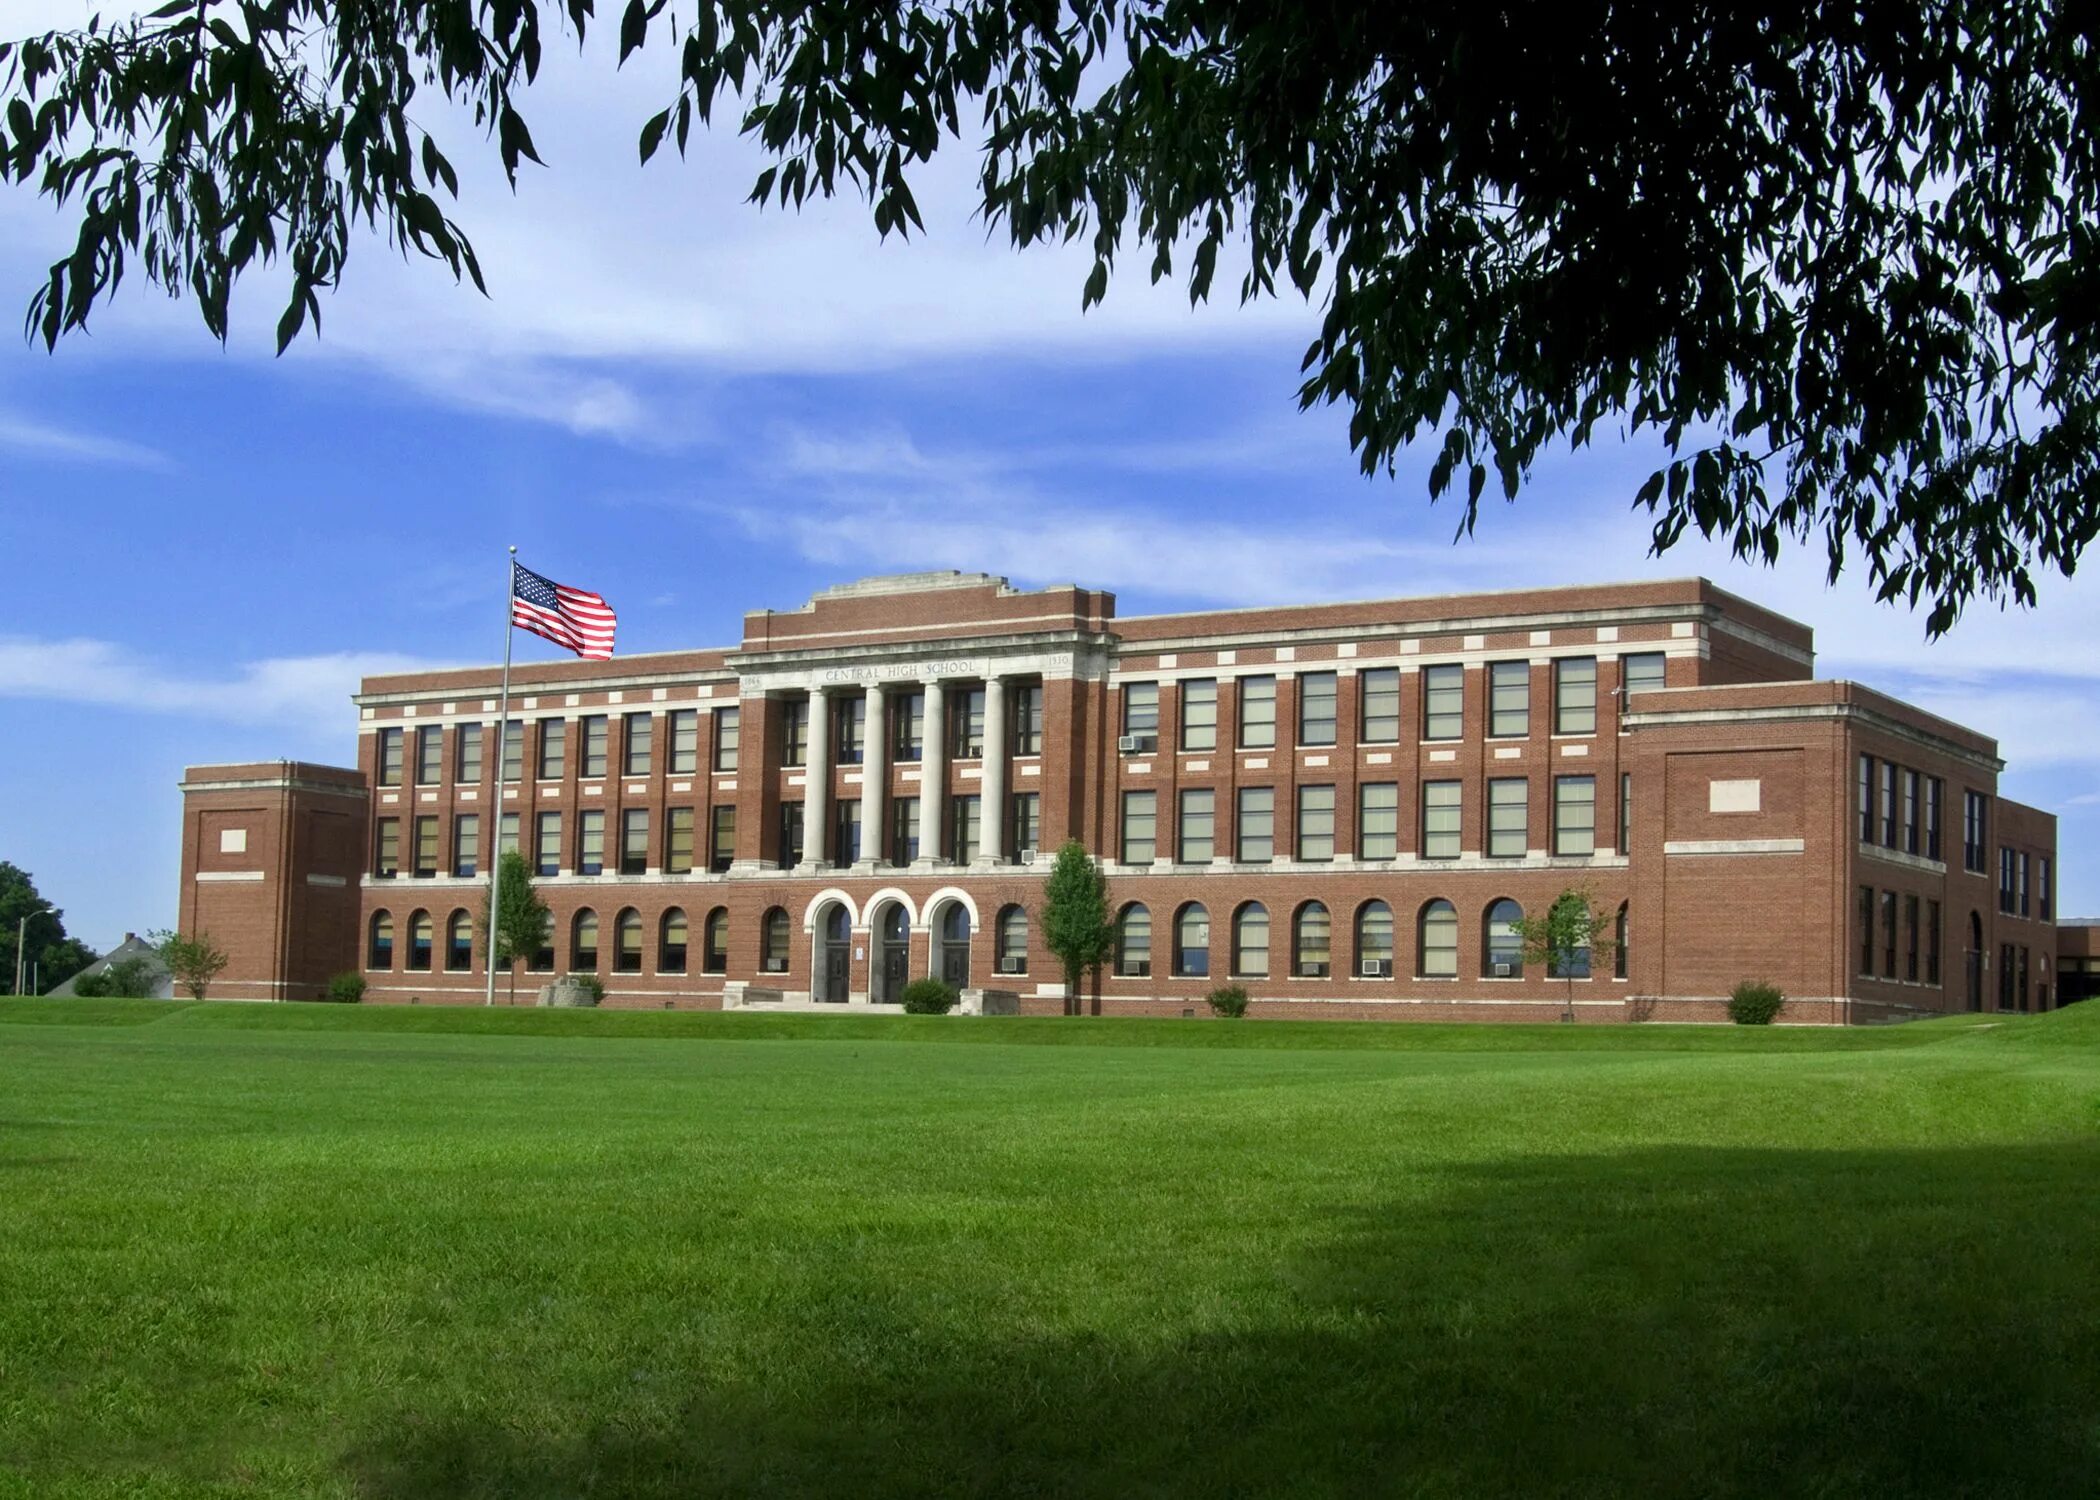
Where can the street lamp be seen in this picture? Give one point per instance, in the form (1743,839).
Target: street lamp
(22,939)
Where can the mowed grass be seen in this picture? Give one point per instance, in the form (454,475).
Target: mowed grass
(307,1250)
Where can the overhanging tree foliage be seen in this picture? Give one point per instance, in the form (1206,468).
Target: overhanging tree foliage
(1839,257)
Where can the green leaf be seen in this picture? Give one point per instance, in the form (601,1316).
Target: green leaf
(653,134)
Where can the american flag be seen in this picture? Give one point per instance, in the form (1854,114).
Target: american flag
(576,618)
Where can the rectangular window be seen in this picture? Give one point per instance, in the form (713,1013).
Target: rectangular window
(1935,797)
(590,840)
(790,843)
(1380,690)
(1027,823)
(1378,819)
(426,846)
(1316,698)
(1888,934)
(678,840)
(507,834)
(1027,709)
(1626,812)
(1888,804)
(466,844)
(1141,709)
(1316,823)
(1975,814)
(1913,812)
(1257,712)
(1932,942)
(386,856)
(1574,815)
(1864,788)
(634,841)
(594,737)
(1199,714)
(554,749)
(1442,807)
(1575,695)
(721,843)
(904,830)
(2026,869)
(2044,893)
(851,715)
(685,741)
(638,743)
(546,845)
(1199,817)
(1257,825)
(966,724)
(794,731)
(908,736)
(1509,699)
(1443,702)
(1509,818)
(727,726)
(390,757)
(2006,896)
(1642,671)
(1910,938)
(513,750)
(1866,931)
(966,829)
(467,757)
(845,838)
(1140,827)
(430,755)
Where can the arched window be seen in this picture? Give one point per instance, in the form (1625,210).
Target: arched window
(1013,940)
(583,943)
(952,961)
(1250,941)
(1374,940)
(773,942)
(1134,941)
(1439,941)
(670,942)
(1620,929)
(1309,941)
(541,959)
(714,952)
(627,951)
(1502,949)
(1192,941)
(459,943)
(380,952)
(421,938)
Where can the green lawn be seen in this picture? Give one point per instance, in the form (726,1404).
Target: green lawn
(292,1250)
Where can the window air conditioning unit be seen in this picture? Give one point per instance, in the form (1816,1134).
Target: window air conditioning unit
(775,966)
(1127,744)
(1505,971)
(1013,964)
(1315,971)
(1027,856)
(1376,968)
(1139,969)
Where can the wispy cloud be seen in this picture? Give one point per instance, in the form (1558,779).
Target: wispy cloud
(48,440)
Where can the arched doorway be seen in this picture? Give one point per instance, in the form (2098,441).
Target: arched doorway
(1974,961)
(891,965)
(834,955)
(951,945)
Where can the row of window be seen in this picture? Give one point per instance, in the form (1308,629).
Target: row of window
(1882,938)
(1312,949)
(962,734)
(2025,883)
(1900,808)
(1196,841)
(2015,989)
(546,856)
(1378,703)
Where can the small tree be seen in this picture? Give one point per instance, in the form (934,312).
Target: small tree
(522,925)
(1075,920)
(1572,935)
(194,961)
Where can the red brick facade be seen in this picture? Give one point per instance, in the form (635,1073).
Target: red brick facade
(1465,751)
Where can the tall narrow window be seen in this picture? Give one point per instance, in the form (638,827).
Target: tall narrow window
(1192,941)
(1509,817)
(1910,938)
(1866,931)
(1311,938)
(904,830)
(1026,825)
(389,755)
(507,834)
(1198,826)
(546,843)
(379,954)
(1437,930)
(678,840)
(851,716)
(794,731)
(1010,940)
(1575,695)
(1199,714)
(638,740)
(386,853)
(1622,941)
(513,750)
(1316,823)
(554,745)
(1374,940)
(1443,702)
(2007,898)
(966,829)
(1626,812)
(590,843)
(908,732)
(1441,813)
(2026,868)
(459,943)
(1574,815)
(1974,815)
(1026,706)
(966,724)
(1316,700)
(1140,827)
(1377,820)
(1888,804)
(422,937)
(1642,672)
(1888,934)
(1932,942)
(583,942)
(1502,955)
(466,844)
(1257,697)
(684,726)
(1250,941)
(634,841)
(1256,829)
(1509,699)
(1913,812)
(721,842)
(790,844)
(728,727)
(773,942)
(1379,688)
(1935,798)
(430,755)
(1863,789)
(627,949)
(467,755)
(2044,892)
(714,943)
(845,842)
(594,741)
(426,846)
(1134,942)
(671,942)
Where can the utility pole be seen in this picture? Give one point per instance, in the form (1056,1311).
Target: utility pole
(22,940)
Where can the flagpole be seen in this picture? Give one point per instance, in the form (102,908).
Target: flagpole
(510,586)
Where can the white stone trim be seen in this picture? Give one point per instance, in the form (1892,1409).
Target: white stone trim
(1735,846)
(208,876)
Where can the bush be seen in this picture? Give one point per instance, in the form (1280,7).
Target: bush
(929,997)
(1755,1003)
(345,989)
(92,986)
(1228,1000)
(590,982)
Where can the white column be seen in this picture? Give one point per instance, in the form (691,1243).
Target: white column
(994,784)
(933,773)
(816,795)
(875,780)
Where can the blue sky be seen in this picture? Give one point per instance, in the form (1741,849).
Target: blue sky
(699,409)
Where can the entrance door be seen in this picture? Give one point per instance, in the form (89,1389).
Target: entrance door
(892,955)
(834,957)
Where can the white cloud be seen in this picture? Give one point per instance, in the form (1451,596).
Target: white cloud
(37,439)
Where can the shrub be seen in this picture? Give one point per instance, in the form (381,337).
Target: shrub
(929,997)
(92,986)
(345,989)
(590,982)
(132,978)
(1228,1000)
(1755,1003)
